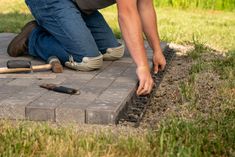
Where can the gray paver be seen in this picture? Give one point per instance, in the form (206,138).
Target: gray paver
(43,108)
(105,108)
(21,82)
(114,70)
(104,92)
(14,106)
(7,35)
(73,109)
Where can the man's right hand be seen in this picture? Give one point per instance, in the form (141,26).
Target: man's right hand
(145,80)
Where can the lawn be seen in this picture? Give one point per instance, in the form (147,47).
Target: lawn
(202,123)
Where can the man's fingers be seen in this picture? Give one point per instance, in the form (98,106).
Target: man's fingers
(140,88)
(162,67)
(156,68)
(146,88)
(143,90)
(151,87)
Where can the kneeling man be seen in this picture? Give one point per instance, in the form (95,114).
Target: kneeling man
(76,32)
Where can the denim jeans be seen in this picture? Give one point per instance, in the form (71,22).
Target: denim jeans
(65,31)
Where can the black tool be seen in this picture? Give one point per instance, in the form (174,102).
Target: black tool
(11,64)
(60,89)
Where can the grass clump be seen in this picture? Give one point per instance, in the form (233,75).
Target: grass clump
(201,137)
(228,5)
(226,66)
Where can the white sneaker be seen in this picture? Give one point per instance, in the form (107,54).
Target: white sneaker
(115,53)
(87,64)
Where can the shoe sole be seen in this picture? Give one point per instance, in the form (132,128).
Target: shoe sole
(90,65)
(18,39)
(113,54)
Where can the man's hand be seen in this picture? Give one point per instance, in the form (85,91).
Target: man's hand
(159,61)
(145,80)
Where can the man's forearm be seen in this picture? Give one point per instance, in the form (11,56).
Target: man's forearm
(149,23)
(131,28)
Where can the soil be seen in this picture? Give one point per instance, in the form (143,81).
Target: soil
(168,100)
(168,94)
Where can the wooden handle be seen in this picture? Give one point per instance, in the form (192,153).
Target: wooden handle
(41,67)
(7,70)
(17,70)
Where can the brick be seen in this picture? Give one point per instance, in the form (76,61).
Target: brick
(43,108)
(14,106)
(130,73)
(78,76)
(21,82)
(100,116)
(3,50)
(100,82)
(105,109)
(35,76)
(114,70)
(7,35)
(4,81)
(77,84)
(4,43)
(125,60)
(58,80)
(70,114)
(73,109)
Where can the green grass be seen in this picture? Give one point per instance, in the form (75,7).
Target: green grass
(202,4)
(174,137)
(215,29)
(206,128)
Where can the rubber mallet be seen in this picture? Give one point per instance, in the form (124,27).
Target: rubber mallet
(19,66)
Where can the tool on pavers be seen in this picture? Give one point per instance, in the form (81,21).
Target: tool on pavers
(60,89)
(16,66)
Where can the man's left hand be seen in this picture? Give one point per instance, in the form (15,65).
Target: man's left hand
(159,61)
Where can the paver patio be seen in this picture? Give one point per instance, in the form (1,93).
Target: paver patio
(104,92)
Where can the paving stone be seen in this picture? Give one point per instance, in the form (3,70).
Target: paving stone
(125,60)
(37,76)
(7,91)
(73,109)
(114,70)
(4,81)
(100,82)
(4,43)
(43,108)
(105,109)
(7,35)
(22,82)
(58,80)
(3,50)
(130,73)
(79,76)
(14,106)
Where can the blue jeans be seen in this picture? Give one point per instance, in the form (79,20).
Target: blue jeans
(65,31)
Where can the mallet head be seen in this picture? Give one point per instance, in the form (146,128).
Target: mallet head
(56,66)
